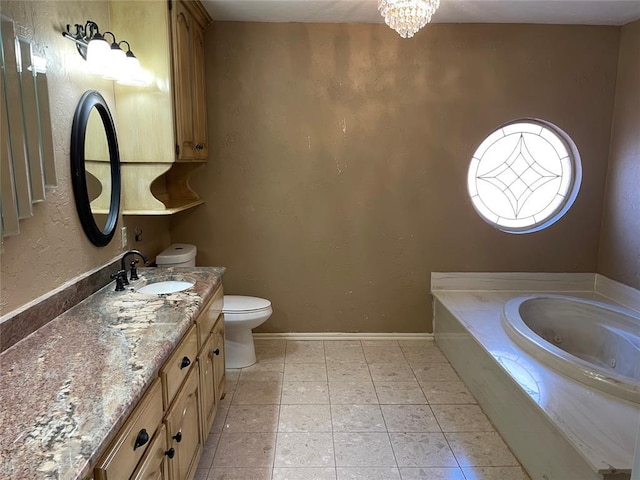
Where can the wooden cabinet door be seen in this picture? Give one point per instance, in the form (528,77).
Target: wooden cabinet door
(154,465)
(219,371)
(184,429)
(199,97)
(207,385)
(182,26)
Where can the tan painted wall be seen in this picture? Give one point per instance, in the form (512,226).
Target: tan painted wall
(52,248)
(619,256)
(339,154)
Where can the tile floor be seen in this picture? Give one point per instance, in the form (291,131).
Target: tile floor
(351,410)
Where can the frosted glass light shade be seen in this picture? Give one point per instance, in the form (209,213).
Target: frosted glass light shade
(98,52)
(132,73)
(115,64)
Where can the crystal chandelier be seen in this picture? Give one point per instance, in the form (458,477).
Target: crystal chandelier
(407,16)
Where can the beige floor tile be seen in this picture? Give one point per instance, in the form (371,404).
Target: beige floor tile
(245,450)
(209,451)
(304,418)
(357,418)
(349,393)
(363,450)
(447,393)
(431,473)
(409,418)
(462,418)
(348,372)
(252,418)
(436,372)
(260,366)
(480,449)
(384,354)
(232,374)
(240,474)
(302,473)
(305,352)
(201,474)
(262,375)
(399,393)
(423,355)
(298,393)
(495,473)
(422,450)
(368,473)
(305,372)
(257,393)
(391,372)
(334,352)
(270,355)
(229,391)
(218,422)
(304,450)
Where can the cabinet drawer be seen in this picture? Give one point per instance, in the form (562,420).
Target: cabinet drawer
(208,317)
(154,465)
(130,444)
(178,366)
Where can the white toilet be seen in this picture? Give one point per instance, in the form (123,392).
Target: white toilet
(241,314)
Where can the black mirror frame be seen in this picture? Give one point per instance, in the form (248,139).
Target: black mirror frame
(89,100)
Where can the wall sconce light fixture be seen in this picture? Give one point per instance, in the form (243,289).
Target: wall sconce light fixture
(104,59)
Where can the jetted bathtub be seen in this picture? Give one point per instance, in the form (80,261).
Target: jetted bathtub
(592,342)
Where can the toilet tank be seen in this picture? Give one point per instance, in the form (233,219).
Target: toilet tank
(178,255)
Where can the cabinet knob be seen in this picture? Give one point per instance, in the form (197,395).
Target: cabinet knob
(199,146)
(185,362)
(216,351)
(171,452)
(178,437)
(141,439)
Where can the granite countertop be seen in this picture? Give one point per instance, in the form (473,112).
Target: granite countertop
(67,388)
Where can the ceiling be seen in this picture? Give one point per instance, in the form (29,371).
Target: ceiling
(581,12)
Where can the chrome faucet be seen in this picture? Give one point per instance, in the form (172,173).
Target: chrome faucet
(134,271)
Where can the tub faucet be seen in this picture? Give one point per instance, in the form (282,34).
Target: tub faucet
(134,271)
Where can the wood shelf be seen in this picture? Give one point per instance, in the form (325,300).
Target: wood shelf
(166,211)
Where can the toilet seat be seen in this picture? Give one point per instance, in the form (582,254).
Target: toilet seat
(242,304)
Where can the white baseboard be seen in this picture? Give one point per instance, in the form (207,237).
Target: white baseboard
(343,336)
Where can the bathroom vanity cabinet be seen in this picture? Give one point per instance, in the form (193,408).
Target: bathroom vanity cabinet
(163,438)
(162,127)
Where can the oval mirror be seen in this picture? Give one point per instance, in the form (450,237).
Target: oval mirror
(95,168)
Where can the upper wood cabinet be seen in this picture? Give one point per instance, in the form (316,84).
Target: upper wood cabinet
(188,21)
(162,127)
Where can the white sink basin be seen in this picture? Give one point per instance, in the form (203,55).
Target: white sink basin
(170,286)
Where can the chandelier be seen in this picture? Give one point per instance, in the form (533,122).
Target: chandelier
(407,16)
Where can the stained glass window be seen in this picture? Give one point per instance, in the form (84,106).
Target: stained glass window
(524,176)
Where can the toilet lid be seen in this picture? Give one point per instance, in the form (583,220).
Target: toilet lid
(242,304)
